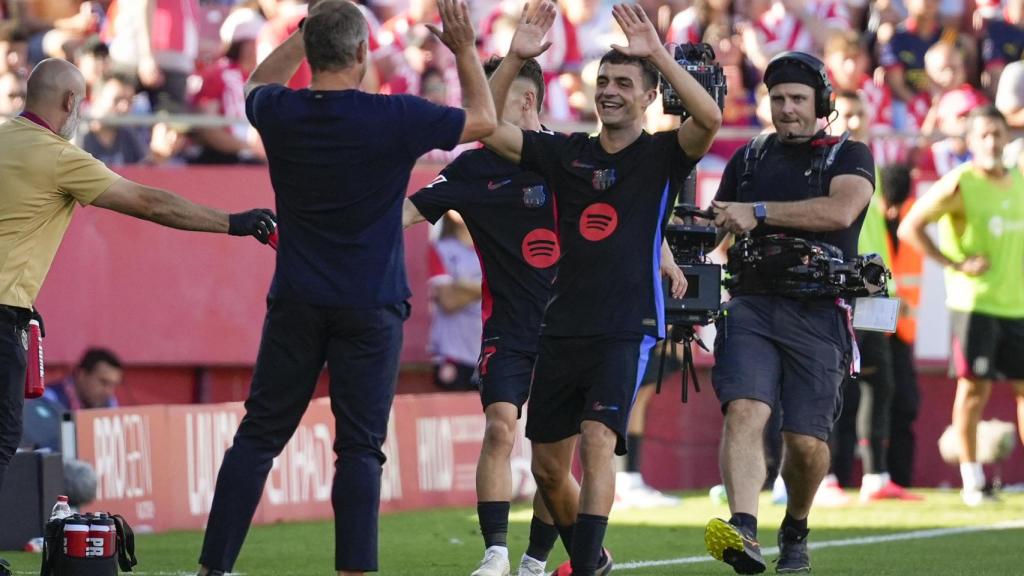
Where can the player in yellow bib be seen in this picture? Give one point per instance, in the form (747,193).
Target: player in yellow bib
(979,208)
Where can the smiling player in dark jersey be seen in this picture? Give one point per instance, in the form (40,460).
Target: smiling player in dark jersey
(614,192)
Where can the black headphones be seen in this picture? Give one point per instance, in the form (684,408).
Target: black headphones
(823,103)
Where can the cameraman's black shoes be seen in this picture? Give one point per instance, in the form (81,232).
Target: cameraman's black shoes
(734,546)
(793,556)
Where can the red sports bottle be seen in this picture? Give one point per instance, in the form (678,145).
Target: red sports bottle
(272,240)
(34,372)
(76,533)
(101,536)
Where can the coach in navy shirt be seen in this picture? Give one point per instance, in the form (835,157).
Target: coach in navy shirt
(614,192)
(339,162)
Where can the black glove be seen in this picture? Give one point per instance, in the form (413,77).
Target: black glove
(258,223)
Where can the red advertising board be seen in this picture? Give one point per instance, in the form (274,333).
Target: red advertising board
(157,465)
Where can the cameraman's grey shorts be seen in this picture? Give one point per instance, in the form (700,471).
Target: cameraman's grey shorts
(787,353)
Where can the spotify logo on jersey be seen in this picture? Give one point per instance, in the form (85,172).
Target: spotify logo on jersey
(598,221)
(540,248)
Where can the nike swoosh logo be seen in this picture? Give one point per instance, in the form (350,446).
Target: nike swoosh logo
(578,164)
(496,185)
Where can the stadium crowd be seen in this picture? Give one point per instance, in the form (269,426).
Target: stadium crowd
(920,65)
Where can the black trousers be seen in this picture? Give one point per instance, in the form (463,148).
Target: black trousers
(906,402)
(12,382)
(361,349)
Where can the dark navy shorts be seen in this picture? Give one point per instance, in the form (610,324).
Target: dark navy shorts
(505,374)
(790,354)
(585,378)
(986,347)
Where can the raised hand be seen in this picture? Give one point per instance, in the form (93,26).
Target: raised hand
(640,33)
(528,41)
(456,30)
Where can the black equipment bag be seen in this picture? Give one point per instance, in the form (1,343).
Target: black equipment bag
(56,563)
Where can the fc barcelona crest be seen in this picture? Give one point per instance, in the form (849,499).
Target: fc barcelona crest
(603,179)
(534,196)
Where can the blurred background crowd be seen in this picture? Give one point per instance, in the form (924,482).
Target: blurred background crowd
(918,65)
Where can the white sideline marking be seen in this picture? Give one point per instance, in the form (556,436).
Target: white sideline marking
(881,539)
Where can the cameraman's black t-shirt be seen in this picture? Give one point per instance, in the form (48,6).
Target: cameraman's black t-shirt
(612,210)
(782,175)
(510,214)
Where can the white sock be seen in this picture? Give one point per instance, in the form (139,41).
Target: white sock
(973,476)
(541,562)
(870,483)
(499,550)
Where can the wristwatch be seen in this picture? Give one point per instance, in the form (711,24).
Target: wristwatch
(760,212)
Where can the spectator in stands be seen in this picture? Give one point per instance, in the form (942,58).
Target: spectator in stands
(220,93)
(12,95)
(952,100)
(283,18)
(92,384)
(848,63)
(111,144)
(1002,42)
(168,144)
(562,63)
(691,24)
(13,48)
(981,246)
(903,57)
(775,26)
(93,59)
(455,296)
(161,56)
(740,103)
(1010,96)
(62,26)
(595,28)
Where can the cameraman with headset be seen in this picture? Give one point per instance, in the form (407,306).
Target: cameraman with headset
(778,350)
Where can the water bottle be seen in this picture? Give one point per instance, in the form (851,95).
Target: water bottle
(61,509)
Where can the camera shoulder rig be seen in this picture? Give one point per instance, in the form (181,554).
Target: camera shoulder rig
(799,268)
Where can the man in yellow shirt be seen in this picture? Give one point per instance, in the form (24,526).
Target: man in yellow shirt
(42,176)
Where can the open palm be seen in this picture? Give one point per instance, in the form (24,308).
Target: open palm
(528,41)
(640,33)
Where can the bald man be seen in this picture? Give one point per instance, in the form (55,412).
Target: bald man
(43,176)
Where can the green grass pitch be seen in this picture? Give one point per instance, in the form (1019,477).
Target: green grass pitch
(446,542)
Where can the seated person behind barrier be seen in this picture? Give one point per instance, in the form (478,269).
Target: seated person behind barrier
(92,384)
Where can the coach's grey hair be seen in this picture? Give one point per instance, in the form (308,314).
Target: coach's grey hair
(332,34)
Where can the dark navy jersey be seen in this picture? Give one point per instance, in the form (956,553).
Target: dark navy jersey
(511,215)
(782,175)
(906,50)
(1002,43)
(612,210)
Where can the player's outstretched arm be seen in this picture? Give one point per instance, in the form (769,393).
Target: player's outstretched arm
(457,34)
(173,211)
(410,214)
(696,134)
(527,42)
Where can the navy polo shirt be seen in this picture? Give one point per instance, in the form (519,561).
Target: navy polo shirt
(339,164)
